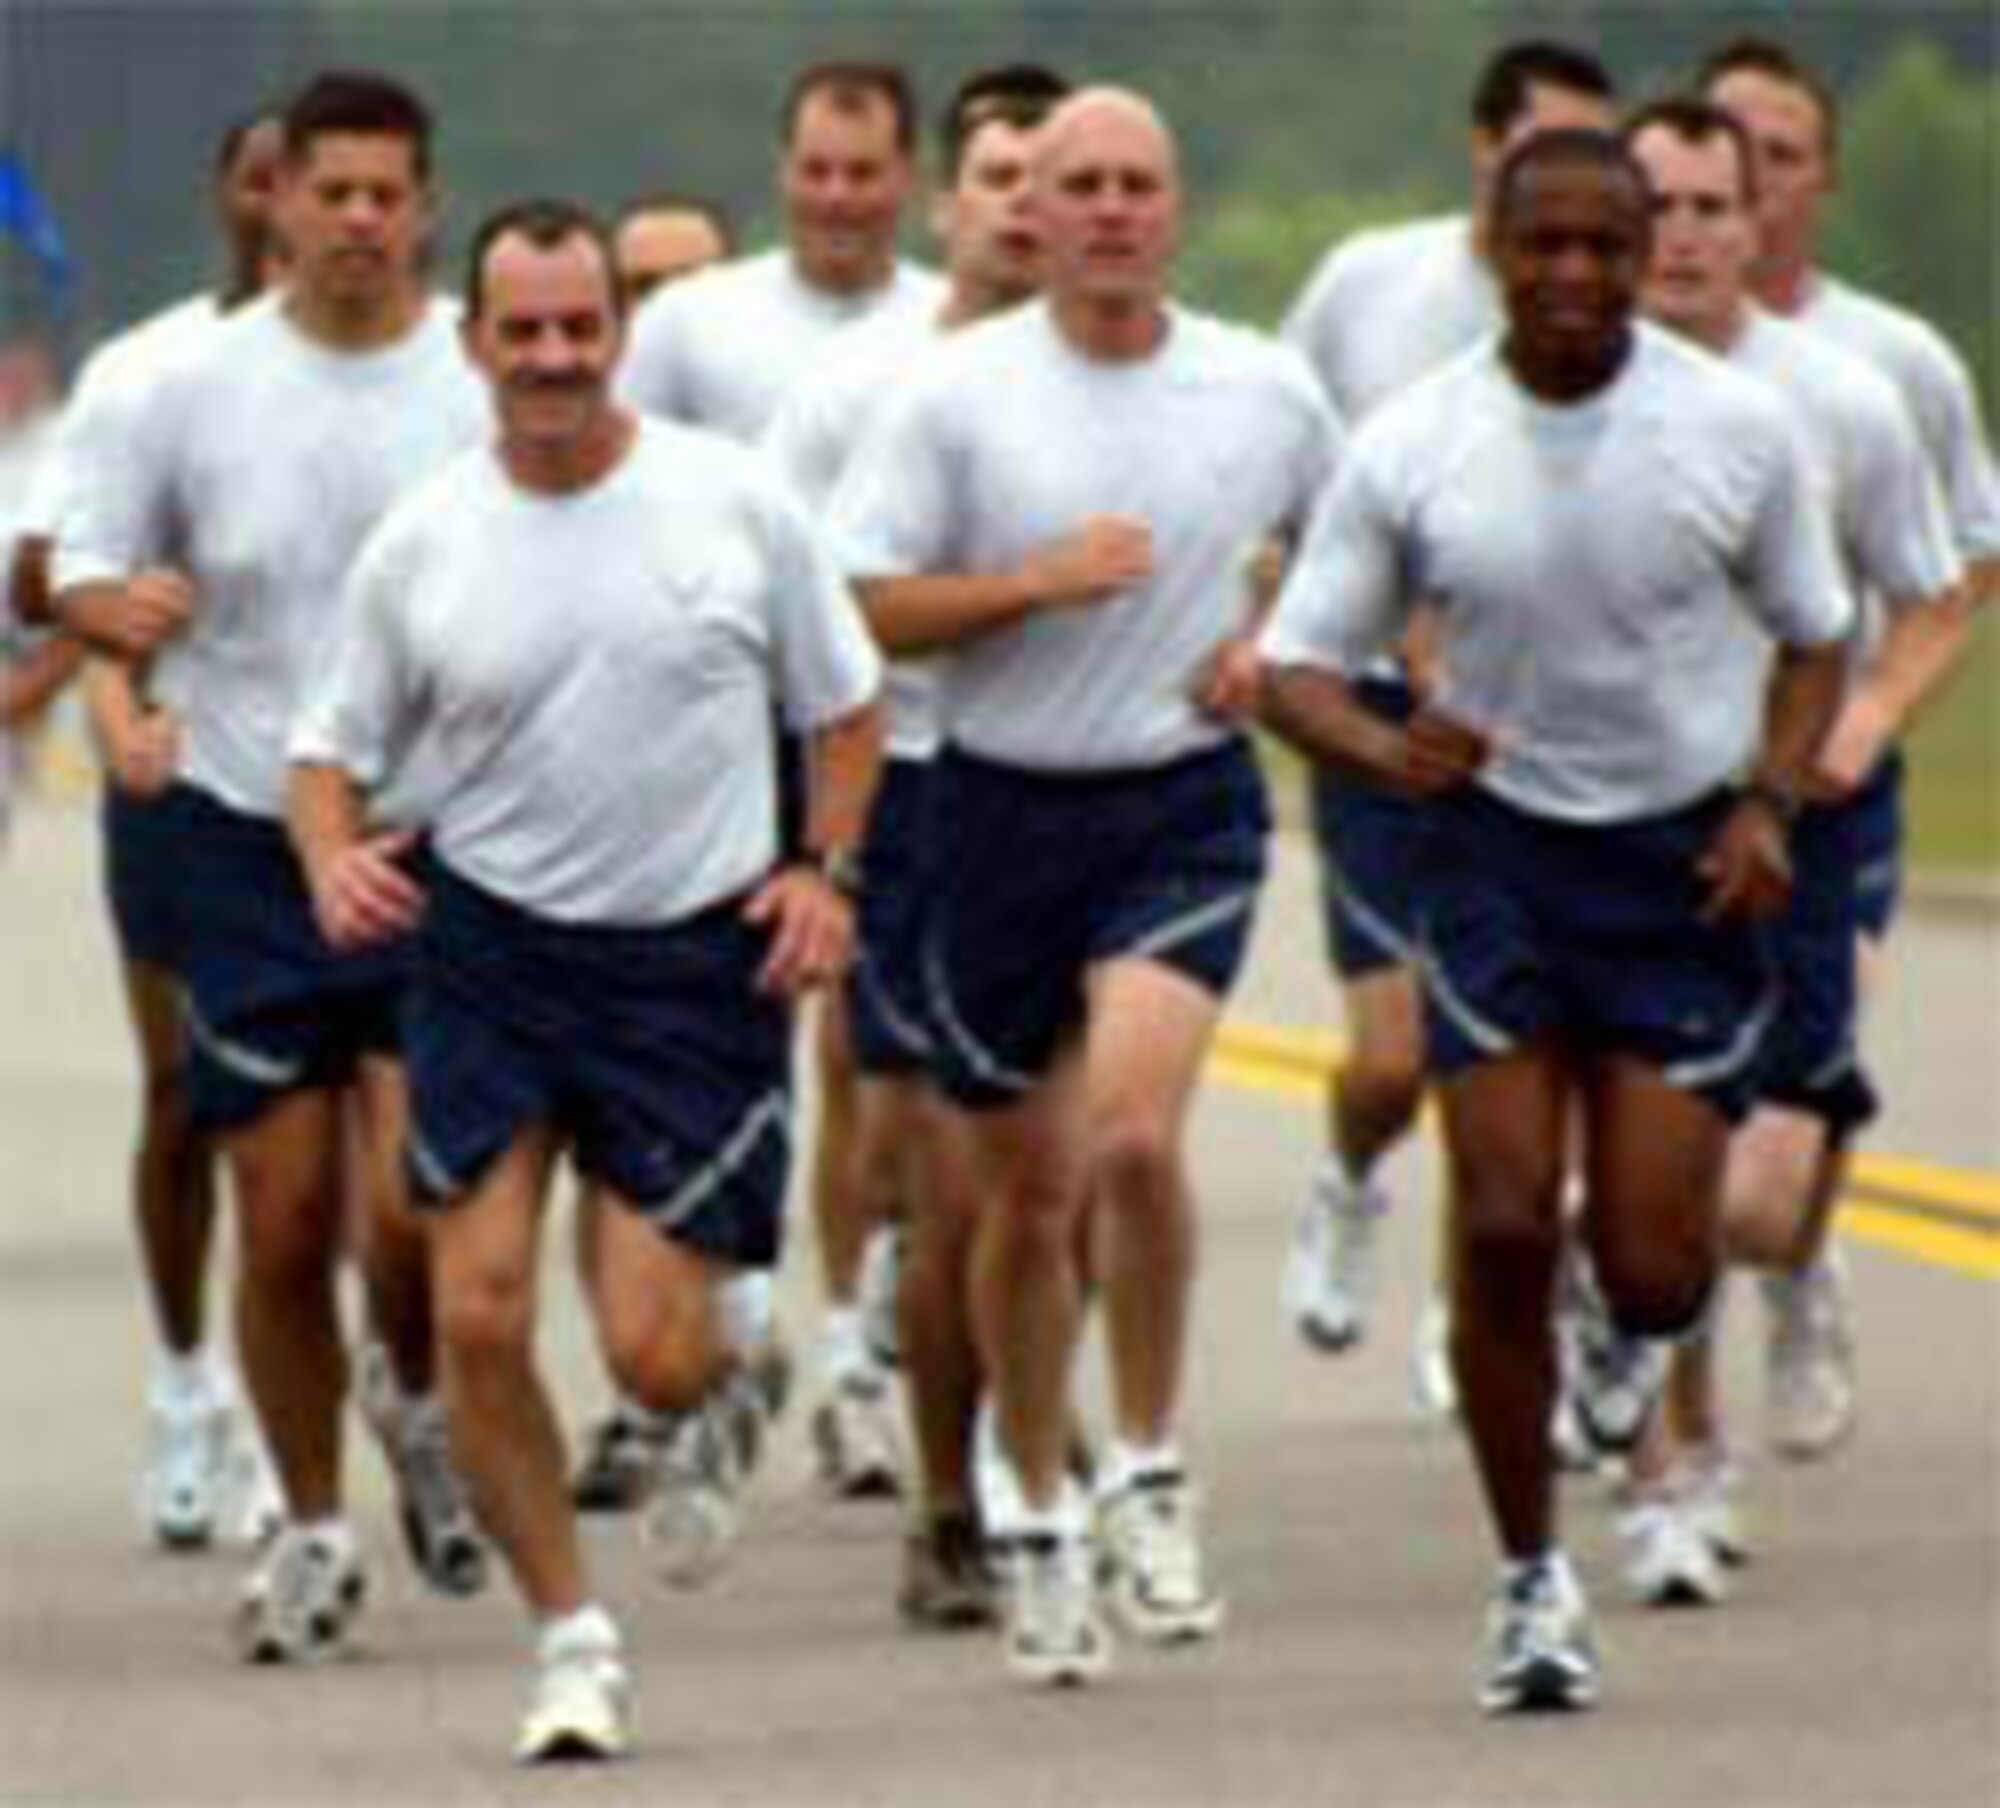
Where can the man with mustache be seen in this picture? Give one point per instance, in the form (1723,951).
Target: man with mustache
(583,630)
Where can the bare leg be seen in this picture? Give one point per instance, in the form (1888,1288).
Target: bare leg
(287,1172)
(1149,1033)
(1504,1131)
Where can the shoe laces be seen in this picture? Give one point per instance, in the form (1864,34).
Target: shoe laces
(1049,1590)
(1153,1526)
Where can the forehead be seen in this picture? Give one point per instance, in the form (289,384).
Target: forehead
(359,157)
(666,231)
(1769,106)
(1675,163)
(997,144)
(1106,138)
(1592,197)
(854,123)
(565,278)
(1551,106)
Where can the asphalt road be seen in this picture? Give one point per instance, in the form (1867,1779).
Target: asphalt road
(1859,1664)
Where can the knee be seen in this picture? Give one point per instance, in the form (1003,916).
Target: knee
(1135,1157)
(1508,1213)
(483,1319)
(1660,1289)
(1383,1077)
(667,1367)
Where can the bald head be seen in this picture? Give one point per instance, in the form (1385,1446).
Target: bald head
(1107,198)
(1093,116)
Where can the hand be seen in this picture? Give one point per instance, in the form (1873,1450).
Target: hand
(812,931)
(1439,753)
(158,604)
(1230,682)
(143,752)
(1107,554)
(1748,866)
(361,894)
(1862,733)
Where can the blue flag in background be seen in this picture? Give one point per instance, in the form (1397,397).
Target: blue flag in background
(25,215)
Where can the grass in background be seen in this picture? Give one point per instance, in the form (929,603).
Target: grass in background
(1954,795)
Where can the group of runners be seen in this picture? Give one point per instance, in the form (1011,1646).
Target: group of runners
(515,708)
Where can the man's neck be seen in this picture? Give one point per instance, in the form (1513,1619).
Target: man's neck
(1785,284)
(571,465)
(359,327)
(1111,332)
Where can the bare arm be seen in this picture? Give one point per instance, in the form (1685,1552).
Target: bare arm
(128,620)
(1748,866)
(807,904)
(1923,646)
(36,679)
(28,581)
(360,893)
(927,614)
(1317,712)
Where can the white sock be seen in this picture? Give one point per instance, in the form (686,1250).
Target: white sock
(747,1310)
(586,1628)
(184,1379)
(843,1345)
(1125,1463)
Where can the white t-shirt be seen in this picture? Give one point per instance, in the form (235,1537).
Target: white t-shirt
(1936,389)
(258,466)
(721,349)
(590,678)
(1867,466)
(1589,563)
(111,385)
(1389,306)
(813,435)
(1009,438)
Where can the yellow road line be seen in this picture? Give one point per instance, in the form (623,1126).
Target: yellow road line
(1942,1245)
(1293,1064)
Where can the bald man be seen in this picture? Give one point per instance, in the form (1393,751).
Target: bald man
(1101,817)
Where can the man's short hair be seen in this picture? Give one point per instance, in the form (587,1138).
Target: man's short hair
(1019,94)
(854,88)
(1505,89)
(1751,55)
(1694,119)
(1566,147)
(546,224)
(666,200)
(361,102)
(237,133)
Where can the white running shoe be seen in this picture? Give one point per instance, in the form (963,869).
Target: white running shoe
(1433,1385)
(1541,1655)
(182,1488)
(1054,1637)
(439,1531)
(854,1436)
(702,1459)
(1151,1560)
(1708,1487)
(1809,1399)
(1329,1280)
(581,1710)
(1613,1379)
(1668,1562)
(300,1602)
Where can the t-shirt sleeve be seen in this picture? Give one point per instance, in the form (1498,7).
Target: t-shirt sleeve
(827,663)
(1342,605)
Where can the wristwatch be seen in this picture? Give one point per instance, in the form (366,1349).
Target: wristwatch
(840,867)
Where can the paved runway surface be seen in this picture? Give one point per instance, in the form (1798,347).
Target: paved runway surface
(1859,1664)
